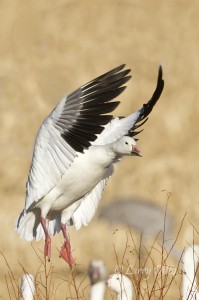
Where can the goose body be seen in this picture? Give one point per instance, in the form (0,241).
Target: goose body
(92,165)
(74,155)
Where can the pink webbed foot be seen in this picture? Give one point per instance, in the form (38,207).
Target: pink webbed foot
(65,251)
(66,254)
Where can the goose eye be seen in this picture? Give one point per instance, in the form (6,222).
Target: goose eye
(126,143)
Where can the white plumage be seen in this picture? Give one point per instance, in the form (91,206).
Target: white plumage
(27,288)
(121,285)
(74,153)
(190,288)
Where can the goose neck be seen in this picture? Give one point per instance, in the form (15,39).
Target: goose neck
(97,291)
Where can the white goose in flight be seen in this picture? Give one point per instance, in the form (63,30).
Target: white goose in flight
(74,153)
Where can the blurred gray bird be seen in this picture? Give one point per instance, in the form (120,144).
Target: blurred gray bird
(146,217)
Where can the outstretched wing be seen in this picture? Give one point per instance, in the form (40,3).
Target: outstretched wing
(119,127)
(70,128)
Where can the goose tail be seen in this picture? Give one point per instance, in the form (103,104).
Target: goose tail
(28,225)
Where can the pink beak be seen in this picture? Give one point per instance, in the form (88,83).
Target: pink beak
(136,151)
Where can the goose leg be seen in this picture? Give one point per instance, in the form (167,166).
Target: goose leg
(47,247)
(65,251)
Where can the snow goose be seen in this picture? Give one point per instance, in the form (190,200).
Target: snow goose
(73,157)
(98,274)
(190,290)
(27,287)
(121,285)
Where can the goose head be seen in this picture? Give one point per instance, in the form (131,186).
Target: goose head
(126,145)
(98,275)
(121,285)
(97,271)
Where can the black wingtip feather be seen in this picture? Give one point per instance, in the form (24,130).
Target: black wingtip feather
(102,96)
(134,133)
(160,73)
(105,76)
(92,102)
(147,107)
(100,108)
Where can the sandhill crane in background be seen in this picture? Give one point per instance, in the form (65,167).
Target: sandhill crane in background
(98,274)
(121,285)
(145,217)
(190,289)
(27,287)
(74,155)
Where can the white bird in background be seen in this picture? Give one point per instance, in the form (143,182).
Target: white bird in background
(27,287)
(98,274)
(121,285)
(190,289)
(73,157)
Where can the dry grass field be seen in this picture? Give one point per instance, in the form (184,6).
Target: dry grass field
(49,48)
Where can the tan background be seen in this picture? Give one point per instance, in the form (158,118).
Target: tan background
(49,48)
